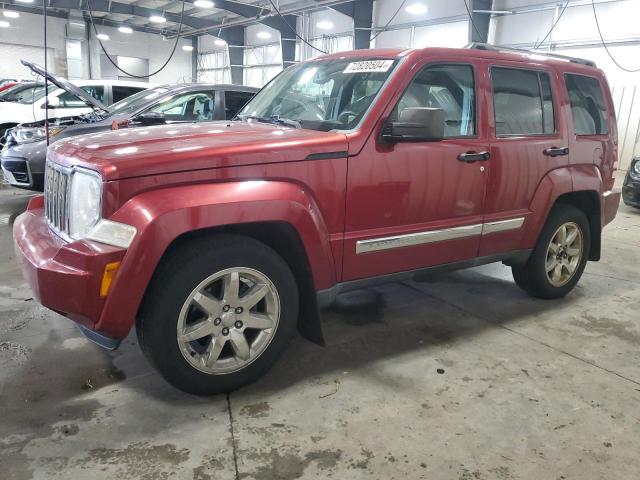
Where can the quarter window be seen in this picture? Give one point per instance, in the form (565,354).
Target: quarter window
(448,87)
(587,105)
(522,102)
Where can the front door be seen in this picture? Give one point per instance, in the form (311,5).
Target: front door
(414,205)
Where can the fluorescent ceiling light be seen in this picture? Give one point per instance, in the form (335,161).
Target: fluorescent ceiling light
(4,24)
(187,48)
(25,1)
(495,12)
(264,35)
(325,24)
(219,42)
(203,4)
(102,36)
(416,9)
(157,19)
(11,14)
(125,30)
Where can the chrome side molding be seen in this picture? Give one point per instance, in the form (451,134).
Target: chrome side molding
(502,225)
(433,236)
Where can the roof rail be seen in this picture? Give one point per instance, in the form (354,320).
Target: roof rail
(498,48)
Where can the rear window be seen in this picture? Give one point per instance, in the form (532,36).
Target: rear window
(121,92)
(587,105)
(522,102)
(234,101)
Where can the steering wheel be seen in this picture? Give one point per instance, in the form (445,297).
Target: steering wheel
(344,116)
(304,107)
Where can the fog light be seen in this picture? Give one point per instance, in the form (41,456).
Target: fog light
(110,270)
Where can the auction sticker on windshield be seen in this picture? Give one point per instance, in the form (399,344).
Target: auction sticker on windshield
(369,66)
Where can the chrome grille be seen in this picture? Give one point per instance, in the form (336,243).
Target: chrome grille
(56,198)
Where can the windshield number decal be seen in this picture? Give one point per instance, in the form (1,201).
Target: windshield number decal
(369,66)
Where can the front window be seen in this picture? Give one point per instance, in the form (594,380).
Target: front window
(322,95)
(188,107)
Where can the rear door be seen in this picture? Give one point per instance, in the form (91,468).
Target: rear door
(419,204)
(527,141)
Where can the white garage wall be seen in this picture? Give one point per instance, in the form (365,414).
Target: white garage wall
(147,46)
(15,44)
(445,23)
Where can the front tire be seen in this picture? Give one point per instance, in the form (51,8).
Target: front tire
(218,314)
(559,257)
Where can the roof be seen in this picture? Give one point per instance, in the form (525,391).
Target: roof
(471,51)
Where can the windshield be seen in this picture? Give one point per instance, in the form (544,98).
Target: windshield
(322,95)
(22,93)
(137,100)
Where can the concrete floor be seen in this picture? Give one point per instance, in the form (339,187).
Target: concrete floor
(456,377)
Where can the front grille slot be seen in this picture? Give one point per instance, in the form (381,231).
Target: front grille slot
(56,198)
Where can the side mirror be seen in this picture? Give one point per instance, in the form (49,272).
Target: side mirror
(416,124)
(54,102)
(149,118)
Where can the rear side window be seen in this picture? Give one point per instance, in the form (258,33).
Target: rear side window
(69,100)
(587,105)
(120,92)
(234,101)
(522,102)
(448,87)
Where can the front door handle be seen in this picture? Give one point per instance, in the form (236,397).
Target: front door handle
(471,157)
(556,151)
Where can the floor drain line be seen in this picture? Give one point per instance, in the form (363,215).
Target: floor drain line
(233,437)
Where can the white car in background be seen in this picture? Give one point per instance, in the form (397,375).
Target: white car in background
(62,103)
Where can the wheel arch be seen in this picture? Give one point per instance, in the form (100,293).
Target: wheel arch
(579,186)
(280,214)
(588,201)
(285,240)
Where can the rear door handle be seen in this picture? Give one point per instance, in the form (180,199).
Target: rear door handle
(556,151)
(471,157)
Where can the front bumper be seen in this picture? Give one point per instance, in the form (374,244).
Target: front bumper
(23,165)
(631,192)
(64,277)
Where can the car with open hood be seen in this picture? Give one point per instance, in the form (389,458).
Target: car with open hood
(24,155)
(65,98)
(217,240)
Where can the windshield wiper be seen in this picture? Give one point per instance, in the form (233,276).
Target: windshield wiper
(274,120)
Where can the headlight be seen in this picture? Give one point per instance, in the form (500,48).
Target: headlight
(85,207)
(28,135)
(84,204)
(635,169)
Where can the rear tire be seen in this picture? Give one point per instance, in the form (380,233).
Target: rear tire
(218,314)
(559,257)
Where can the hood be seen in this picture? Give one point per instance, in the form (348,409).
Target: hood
(195,146)
(64,84)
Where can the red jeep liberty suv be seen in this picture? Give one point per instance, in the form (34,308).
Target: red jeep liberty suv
(218,239)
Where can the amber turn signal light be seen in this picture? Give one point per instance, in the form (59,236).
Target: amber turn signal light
(110,270)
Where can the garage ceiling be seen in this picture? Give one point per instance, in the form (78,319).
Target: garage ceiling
(136,13)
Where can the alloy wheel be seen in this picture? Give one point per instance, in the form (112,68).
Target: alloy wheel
(564,254)
(228,320)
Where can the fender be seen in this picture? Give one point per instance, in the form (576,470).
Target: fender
(554,184)
(161,216)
